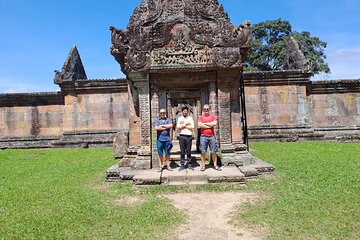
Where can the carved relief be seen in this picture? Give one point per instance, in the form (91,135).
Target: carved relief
(153,36)
(224,112)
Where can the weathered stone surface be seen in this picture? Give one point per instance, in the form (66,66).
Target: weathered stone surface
(263,167)
(147,177)
(184,177)
(72,70)
(141,162)
(182,32)
(228,174)
(113,174)
(295,58)
(120,144)
(210,175)
(248,170)
(116,173)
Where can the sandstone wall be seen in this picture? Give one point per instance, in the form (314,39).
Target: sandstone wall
(281,105)
(285,105)
(93,109)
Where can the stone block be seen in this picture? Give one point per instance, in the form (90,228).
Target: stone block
(248,170)
(228,174)
(141,162)
(120,144)
(147,177)
(263,167)
(184,177)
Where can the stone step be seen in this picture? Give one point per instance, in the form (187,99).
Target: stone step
(175,177)
(196,176)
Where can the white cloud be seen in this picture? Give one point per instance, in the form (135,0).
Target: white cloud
(12,86)
(345,63)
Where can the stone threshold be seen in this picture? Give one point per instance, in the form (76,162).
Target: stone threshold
(230,174)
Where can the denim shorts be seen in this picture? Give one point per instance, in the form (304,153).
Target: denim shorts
(163,147)
(208,141)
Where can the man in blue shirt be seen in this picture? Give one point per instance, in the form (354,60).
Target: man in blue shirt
(163,125)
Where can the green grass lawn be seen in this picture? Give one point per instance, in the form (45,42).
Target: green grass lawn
(315,194)
(56,194)
(60,194)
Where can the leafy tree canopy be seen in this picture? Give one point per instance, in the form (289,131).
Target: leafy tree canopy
(270,41)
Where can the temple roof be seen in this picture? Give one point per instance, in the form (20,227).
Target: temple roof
(72,69)
(168,33)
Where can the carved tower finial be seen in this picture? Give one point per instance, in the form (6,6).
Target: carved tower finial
(72,69)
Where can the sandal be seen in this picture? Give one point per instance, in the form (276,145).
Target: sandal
(169,168)
(202,168)
(217,168)
(159,169)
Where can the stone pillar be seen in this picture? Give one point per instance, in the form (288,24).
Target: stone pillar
(155,108)
(225,109)
(134,118)
(214,105)
(236,131)
(141,83)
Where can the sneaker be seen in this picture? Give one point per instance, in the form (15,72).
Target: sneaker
(190,167)
(182,167)
(217,168)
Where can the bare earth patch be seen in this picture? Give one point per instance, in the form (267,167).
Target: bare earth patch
(208,215)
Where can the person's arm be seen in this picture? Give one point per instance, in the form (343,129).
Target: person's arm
(200,124)
(212,124)
(180,123)
(168,125)
(159,127)
(190,123)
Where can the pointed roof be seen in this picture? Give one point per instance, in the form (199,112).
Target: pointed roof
(72,69)
(174,33)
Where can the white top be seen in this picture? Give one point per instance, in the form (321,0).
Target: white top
(185,125)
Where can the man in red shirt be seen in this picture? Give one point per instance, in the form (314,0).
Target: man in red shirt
(206,123)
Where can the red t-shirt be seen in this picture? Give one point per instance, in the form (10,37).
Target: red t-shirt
(208,132)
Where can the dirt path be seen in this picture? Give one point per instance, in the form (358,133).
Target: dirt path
(208,215)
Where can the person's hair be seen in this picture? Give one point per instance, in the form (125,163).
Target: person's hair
(184,107)
(206,105)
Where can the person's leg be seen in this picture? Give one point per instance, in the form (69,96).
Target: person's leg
(167,155)
(159,146)
(188,150)
(203,152)
(168,162)
(182,143)
(213,150)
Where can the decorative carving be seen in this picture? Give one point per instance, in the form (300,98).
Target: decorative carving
(145,124)
(295,58)
(180,32)
(225,57)
(224,112)
(72,70)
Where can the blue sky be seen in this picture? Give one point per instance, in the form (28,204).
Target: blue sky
(36,36)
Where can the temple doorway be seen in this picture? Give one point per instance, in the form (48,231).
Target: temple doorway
(176,100)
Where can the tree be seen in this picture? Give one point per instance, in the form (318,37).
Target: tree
(270,41)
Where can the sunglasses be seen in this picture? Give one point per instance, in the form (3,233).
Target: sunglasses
(162,113)
(206,109)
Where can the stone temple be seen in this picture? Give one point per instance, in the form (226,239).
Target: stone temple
(175,53)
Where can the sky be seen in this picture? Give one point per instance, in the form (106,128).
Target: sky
(36,36)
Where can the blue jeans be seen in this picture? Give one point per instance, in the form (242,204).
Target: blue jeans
(206,142)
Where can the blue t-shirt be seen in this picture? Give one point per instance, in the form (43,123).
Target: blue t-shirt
(163,135)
